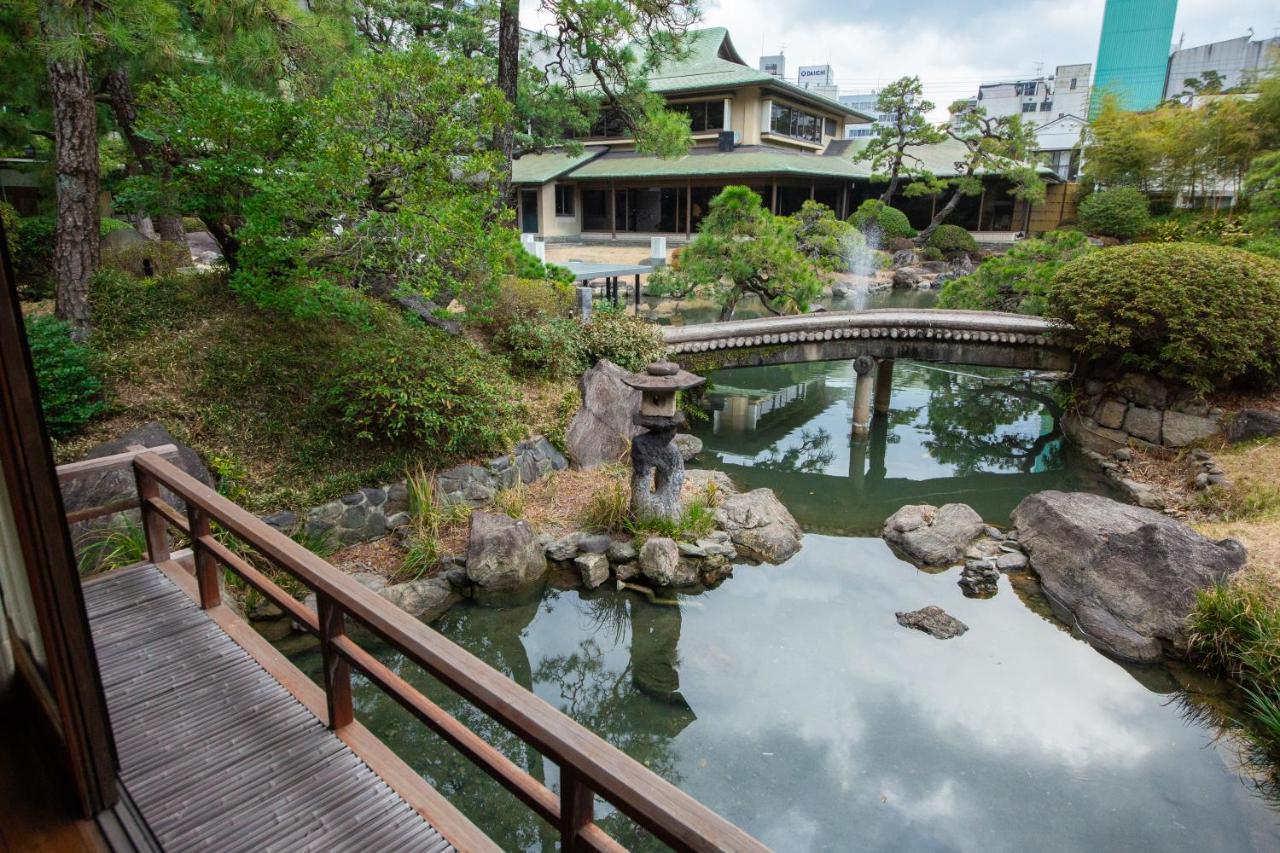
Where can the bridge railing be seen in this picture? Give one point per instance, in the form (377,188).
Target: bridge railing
(589,766)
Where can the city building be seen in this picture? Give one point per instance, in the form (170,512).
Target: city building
(775,65)
(1133,53)
(864,102)
(1039,100)
(1237,61)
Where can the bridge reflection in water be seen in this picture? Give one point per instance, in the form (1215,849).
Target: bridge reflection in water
(973,435)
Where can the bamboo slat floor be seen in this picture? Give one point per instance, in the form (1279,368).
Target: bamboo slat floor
(216,753)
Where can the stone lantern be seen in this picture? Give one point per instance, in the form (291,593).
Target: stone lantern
(657,467)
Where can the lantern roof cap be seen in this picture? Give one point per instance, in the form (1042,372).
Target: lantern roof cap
(663,376)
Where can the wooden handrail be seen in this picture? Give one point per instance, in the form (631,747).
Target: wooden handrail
(106,464)
(589,766)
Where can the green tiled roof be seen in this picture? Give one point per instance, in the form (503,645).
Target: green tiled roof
(549,165)
(746,160)
(940,159)
(714,64)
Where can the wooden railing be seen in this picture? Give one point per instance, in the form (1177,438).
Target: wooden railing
(106,465)
(589,766)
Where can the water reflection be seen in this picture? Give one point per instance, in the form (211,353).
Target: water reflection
(788,698)
(986,437)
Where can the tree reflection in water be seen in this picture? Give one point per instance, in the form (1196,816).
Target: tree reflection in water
(811,456)
(639,708)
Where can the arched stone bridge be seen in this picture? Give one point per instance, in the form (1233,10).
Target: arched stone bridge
(986,338)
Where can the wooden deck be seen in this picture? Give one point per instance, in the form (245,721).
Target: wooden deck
(216,753)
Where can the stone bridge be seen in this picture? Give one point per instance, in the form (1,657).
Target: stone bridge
(986,338)
(873,340)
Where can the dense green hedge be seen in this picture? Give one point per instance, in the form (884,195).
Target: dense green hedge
(70,390)
(874,216)
(1120,212)
(1199,314)
(562,347)
(952,240)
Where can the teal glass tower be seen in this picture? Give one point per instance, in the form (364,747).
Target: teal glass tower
(1133,53)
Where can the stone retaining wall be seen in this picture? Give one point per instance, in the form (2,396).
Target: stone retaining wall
(371,513)
(1142,409)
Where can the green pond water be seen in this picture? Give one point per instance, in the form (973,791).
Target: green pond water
(789,700)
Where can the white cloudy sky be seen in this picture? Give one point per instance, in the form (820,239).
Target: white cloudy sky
(952,44)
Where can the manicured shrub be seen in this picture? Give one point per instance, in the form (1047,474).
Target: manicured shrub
(423,389)
(547,346)
(529,298)
(70,391)
(873,217)
(1120,212)
(1017,280)
(929,253)
(823,238)
(1199,314)
(108,224)
(628,342)
(952,240)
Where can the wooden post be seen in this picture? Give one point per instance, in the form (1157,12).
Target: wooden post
(688,209)
(337,671)
(577,807)
(613,211)
(813,189)
(206,565)
(774,205)
(154,527)
(637,290)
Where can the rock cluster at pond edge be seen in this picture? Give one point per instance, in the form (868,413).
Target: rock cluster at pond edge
(1126,577)
(934,536)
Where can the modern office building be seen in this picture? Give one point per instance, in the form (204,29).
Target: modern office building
(1237,61)
(1133,53)
(1039,100)
(864,102)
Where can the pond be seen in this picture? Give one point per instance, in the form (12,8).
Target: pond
(687,312)
(789,699)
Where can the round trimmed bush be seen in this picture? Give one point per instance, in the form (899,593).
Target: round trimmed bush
(70,391)
(874,216)
(1189,312)
(1120,212)
(952,240)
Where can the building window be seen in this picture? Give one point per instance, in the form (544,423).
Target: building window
(703,115)
(1073,84)
(796,123)
(608,125)
(829,127)
(1029,107)
(564,200)
(1045,106)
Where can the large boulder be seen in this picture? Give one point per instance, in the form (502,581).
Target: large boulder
(1253,423)
(760,526)
(425,598)
(933,536)
(103,489)
(1125,576)
(503,554)
(601,431)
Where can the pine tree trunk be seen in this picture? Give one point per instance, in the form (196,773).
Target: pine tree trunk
(939,218)
(508,76)
(730,304)
(75,128)
(124,106)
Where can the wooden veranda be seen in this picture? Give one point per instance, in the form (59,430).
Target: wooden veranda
(223,744)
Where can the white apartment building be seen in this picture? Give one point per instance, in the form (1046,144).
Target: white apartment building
(1238,60)
(864,102)
(1040,100)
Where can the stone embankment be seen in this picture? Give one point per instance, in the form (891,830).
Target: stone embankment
(1136,408)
